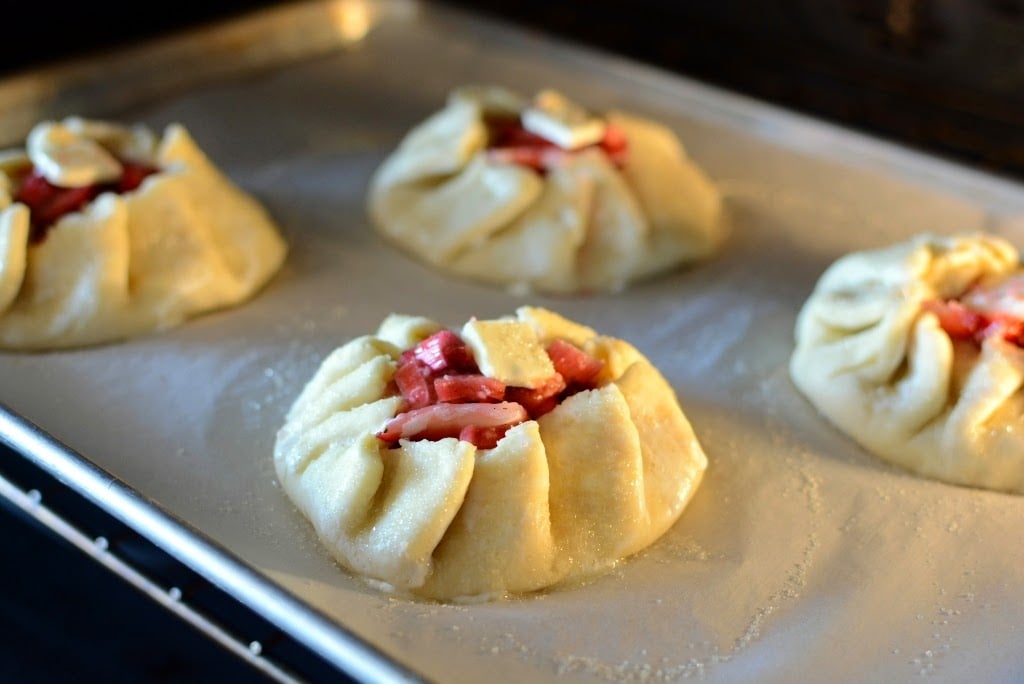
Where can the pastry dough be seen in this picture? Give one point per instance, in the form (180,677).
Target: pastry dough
(572,486)
(917,352)
(474,193)
(107,232)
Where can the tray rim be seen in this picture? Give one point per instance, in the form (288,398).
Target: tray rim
(343,648)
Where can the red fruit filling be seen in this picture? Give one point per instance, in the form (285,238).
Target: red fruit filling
(445,395)
(574,364)
(963,323)
(465,388)
(443,351)
(449,420)
(47,202)
(510,142)
(415,384)
(540,400)
(482,437)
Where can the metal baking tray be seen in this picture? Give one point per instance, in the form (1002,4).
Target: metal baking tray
(801,556)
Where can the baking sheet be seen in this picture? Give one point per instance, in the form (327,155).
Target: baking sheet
(801,557)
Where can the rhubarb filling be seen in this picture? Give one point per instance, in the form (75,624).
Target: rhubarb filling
(446,395)
(984,312)
(510,142)
(48,203)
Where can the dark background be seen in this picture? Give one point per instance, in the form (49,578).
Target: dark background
(946,76)
(66,618)
(942,76)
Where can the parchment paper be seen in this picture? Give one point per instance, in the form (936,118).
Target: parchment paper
(801,558)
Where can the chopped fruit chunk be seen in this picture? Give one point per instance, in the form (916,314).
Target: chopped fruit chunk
(483,437)
(509,132)
(414,383)
(536,406)
(615,144)
(574,364)
(63,201)
(1005,297)
(34,190)
(448,420)
(958,321)
(539,400)
(1009,328)
(447,395)
(962,323)
(510,143)
(132,175)
(468,388)
(551,387)
(48,203)
(614,139)
(444,350)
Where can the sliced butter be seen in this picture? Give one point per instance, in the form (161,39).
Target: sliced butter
(554,117)
(509,351)
(69,160)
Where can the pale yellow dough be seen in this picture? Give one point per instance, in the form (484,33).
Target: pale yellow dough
(187,241)
(882,369)
(600,477)
(583,226)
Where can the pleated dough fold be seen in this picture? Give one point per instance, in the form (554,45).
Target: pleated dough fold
(583,224)
(599,477)
(185,242)
(876,362)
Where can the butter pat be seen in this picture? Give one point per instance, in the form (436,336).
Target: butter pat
(68,159)
(554,117)
(509,351)
(1006,298)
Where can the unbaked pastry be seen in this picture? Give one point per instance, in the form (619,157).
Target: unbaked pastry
(108,231)
(542,196)
(917,352)
(504,458)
